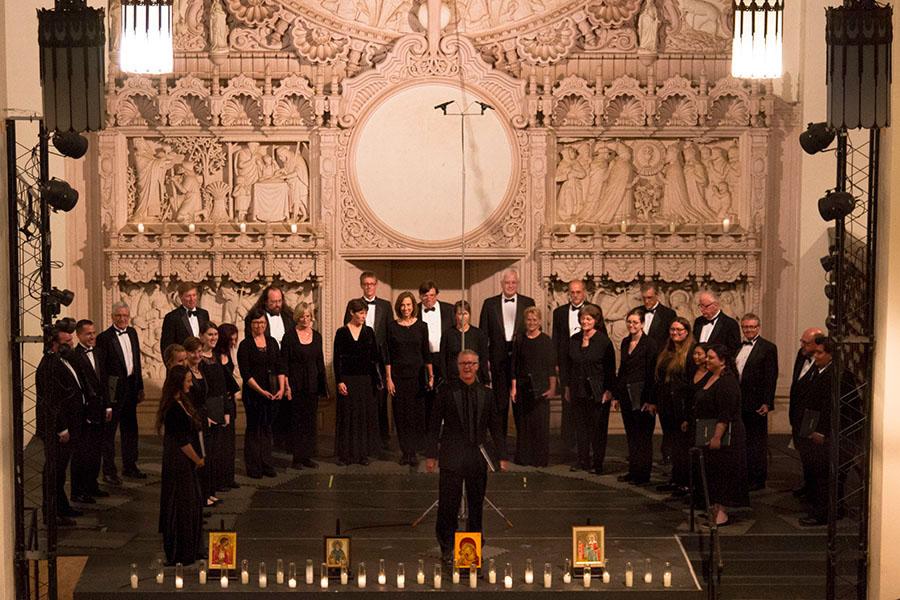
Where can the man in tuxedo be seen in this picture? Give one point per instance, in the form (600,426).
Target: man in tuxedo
(279,315)
(185,321)
(713,326)
(97,413)
(125,386)
(378,316)
(565,325)
(502,318)
(439,316)
(59,408)
(757,365)
(657,316)
(463,414)
(802,364)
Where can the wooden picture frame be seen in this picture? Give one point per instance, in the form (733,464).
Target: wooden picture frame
(336,551)
(588,546)
(222,550)
(467,550)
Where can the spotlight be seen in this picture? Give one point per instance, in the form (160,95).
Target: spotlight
(816,138)
(830,290)
(827,263)
(71,144)
(60,195)
(57,298)
(836,205)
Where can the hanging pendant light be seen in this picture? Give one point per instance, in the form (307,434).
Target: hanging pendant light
(72,40)
(758,39)
(146,45)
(858,36)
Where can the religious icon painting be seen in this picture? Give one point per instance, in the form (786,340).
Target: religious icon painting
(337,551)
(588,547)
(467,550)
(222,550)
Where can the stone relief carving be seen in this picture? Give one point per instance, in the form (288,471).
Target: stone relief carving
(698,25)
(189,27)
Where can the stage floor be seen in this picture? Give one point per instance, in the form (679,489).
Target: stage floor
(767,554)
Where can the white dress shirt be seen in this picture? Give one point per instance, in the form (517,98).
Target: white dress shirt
(370,315)
(89,352)
(509,315)
(276,327)
(432,318)
(807,365)
(193,321)
(125,342)
(648,318)
(707,329)
(574,323)
(743,354)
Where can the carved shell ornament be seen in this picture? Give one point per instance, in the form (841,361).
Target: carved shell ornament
(549,45)
(317,44)
(613,13)
(252,12)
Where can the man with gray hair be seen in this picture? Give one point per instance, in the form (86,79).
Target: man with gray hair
(713,326)
(125,385)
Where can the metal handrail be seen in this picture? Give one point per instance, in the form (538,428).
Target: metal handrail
(714,559)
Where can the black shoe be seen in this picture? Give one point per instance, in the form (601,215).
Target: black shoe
(135,474)
(83,499)
(624,478)
(812,521)
(112,479)
(233,485)
(597,470)
(98,493)
(65,522)
(364,462)
(69,512)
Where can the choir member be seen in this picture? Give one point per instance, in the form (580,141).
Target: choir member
(532,386)
(219,384)
(657,316)
(304,360)
(408,375)
(439,317)
(673,397)
(452,344)
(356,374)
(225,350)
(199,394)
(713,326)
(185,320)
(588,373)
(802,364)
(262,373)
(757,370)
(633,393)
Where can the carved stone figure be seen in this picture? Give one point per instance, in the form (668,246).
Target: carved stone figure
(718,194)
(569,172)
(596,179)
(217,194)
(702,15)
(676,200)
(648,27)
(187,203)
(295,172)
(697,180)
(218,26)
(681,303)
(152,162)
(617,199)
(246,173)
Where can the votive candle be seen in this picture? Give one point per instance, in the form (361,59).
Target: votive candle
(567,572)
(529,571)
(309,571)
(473,577)
(455,574)
(648,572)
(492,572)
(629,575)
(192,228)
(667,576)
(548,575)
(293,228)
(401,576)
(202,572)
(420,572)
(437,576)
(586,577)
(507,577)
(134,576)
(279,571)
(292,575)
(223,580)
(323,576)
(245,572)
(361,576)
(243,227)
(179,576)
(140,228)
(726,225)
(160,571)
(382,576)
(263,577)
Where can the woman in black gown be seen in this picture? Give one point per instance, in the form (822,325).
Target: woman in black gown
(533,384)
(225,347)
(588,372)
(259,361)
(180,511)
(673,394)
(356,375)
(726,464)
(408,375)
(633,391)
(304,361)
(217,391)
(199,395)
(452,344)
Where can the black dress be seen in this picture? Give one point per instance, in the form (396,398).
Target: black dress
(407,352)
(674,395)
(634,388)
(578,368)
(534,363)
(216,378)
(263,365)
(180,511)
(726,468)
(199,395)
(451,346)
(305,366)
(228,438)
(355,365)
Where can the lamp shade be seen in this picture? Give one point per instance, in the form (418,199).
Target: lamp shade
(758,39)
(146,45)
(858,37)
(72,42)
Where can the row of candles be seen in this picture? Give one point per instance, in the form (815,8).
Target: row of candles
(324,572)
(192,227)
(623,226)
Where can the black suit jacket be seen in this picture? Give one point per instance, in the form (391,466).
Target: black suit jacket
(814,393)
(96,396)
(726,331)
(176,327)
(491,323)
(794,411)
(639,366)
(384,313)
(114,366)
(561,327)
(760,376)
(60,399)
(659,328)
(448,318)
(286,318)
(448,433)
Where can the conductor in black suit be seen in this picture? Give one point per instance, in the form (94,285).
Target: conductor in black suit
(715,327)
(125,384)
(463,413)
(802,364)
(502,318)
(97,413)
(378,316)
(657,316)
(278,315)
(757,366)
(565,325)
(185,321)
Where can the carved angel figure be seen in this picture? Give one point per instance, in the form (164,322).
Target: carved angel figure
(617,199)
(596,179)
(152,162)
(676,199)
(648,27)
(218,26)
(295,172)
(569,172)
(246,173)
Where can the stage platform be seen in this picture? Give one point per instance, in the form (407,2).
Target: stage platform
(767,554)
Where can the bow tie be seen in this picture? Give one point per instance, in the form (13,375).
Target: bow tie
(747,343)
(429,309)
(121,331)
(650,311)
(710,321)
(88,350)
(577,308)
(192,313)
(370,302)
(509,300)
(271,314)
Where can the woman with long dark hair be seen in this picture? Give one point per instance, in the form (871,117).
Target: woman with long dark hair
(180,511)
(217,384)
(225,347)
(674,394)
(199,394)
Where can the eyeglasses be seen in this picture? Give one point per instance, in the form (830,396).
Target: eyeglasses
(677,330)
(469,363)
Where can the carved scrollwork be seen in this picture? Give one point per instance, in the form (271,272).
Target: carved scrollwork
(613,13)
(675,268)
(242,268)
(318,44)
(252,12)
(549,45)
(726,268)
(568,268)
(622,268)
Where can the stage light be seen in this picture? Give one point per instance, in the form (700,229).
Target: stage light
(758,39)
(59,195)
(146,45)
(57,298)
(836,205)
(830,291)
(70,144)
(816,138)
(827,263)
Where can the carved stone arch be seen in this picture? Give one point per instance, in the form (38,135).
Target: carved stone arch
(188,103)
(573,103)
(136,103)
(677,103)
(294,98)
(729,103)
(626,102)
(241,103)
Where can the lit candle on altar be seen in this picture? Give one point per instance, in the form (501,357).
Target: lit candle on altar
(672,226)
(223,580)
(202,572)
(293,228)
(140,228)
(629,575)
(726,225)
(648,572)
(473,577)
(529,571)
(309,571)
(420,573)
(667,576)
(507,577)
(245,572)
(437,576)
(263,578)
(243,227)
(279,572)
(572,228)
(292,575)
(455,574)
(345,575)
(382,576)
(623,226)
(160,572)
(567,572)
(586,577)
(192,228)
(179,576)
(492,571)
(606,574)
(548,575)
(361,575)
(323,576)
(134,576)
(401,576)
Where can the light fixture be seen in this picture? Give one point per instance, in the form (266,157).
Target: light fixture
(56,298)
(858,73)
(59,195)
(758,39)
(146,45)
(72,42)
(70,143)
(816,138)
(836,205)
